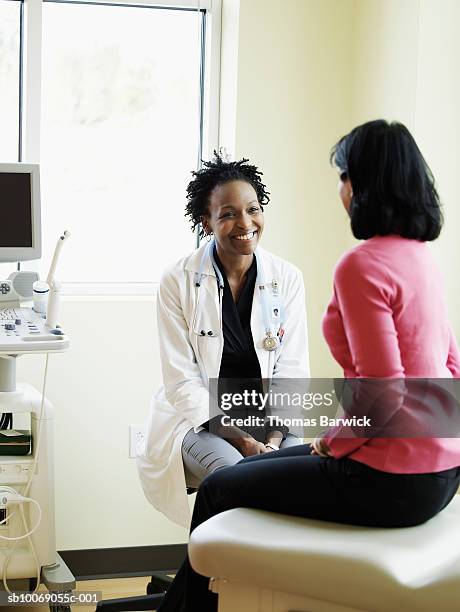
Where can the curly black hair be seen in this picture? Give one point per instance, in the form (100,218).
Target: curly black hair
(217,172)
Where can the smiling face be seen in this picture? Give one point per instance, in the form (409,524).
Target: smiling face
(235,218)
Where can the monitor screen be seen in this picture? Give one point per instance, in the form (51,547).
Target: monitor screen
(20,222)
(15,209)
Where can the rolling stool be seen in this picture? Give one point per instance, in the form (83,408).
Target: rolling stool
(156,588)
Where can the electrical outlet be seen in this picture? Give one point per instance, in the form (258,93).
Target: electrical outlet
(136,436)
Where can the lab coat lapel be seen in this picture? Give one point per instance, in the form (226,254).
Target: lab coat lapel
(257,325)
(207,307)
(207,316)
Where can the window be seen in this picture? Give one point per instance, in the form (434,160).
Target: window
(10,12)
(128,107)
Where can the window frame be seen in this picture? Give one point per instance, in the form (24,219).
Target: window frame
(20,4)
(30,101)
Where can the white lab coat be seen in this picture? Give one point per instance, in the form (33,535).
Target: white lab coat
(190,359)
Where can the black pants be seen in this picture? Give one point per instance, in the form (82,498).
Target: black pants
(291,481)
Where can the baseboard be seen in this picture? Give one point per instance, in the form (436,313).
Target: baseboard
(96,563)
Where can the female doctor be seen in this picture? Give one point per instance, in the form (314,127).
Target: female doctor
(230,310)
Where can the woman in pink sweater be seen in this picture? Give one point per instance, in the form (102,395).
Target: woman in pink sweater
(386,324)
(387,318)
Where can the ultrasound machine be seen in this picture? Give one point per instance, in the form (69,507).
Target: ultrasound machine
(28,325)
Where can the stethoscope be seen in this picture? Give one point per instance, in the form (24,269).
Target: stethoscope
(270,299)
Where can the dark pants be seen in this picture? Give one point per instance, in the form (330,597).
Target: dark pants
(291,481)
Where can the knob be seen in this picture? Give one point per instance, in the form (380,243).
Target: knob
(10,326)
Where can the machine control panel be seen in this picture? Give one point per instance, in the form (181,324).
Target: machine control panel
(22,330)
(7,292)
(5,287)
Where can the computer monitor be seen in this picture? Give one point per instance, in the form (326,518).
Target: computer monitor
(20,225)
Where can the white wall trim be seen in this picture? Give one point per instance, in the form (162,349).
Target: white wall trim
(212,78)
(32,77)
(229,75)
(167,4)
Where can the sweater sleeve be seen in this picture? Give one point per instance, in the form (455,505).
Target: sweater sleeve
(364,300)
(453,358)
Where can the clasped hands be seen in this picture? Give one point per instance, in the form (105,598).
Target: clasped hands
(248,446)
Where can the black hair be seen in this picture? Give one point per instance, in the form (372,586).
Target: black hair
(393,187)
(217,172)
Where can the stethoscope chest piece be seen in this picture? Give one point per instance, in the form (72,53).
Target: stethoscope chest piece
(270,342)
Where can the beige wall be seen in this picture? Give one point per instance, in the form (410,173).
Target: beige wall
(293,103)
(385,50)
(100,386)
(307,71)
(437,128)
(406,66)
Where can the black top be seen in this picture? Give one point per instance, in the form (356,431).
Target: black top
(240,368)
(239,358)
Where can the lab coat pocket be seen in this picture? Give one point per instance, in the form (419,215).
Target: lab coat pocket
(158,442)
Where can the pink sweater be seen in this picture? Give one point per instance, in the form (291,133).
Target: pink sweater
(388,319)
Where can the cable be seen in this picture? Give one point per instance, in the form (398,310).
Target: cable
(39,432)
(26,490)
(29,533)
(32,550)
(15,541)
(6,422)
